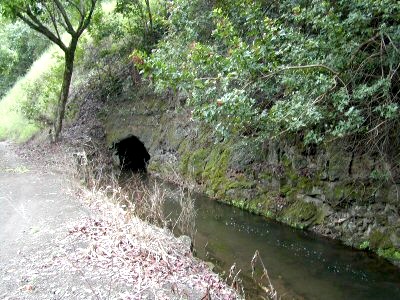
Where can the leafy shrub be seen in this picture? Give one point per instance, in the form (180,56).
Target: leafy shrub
(42,94)
(130,23)
(320,70)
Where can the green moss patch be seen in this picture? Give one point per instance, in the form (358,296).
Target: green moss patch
(216,169)
(379,240)
(300,214)
(390,254)
(195,164)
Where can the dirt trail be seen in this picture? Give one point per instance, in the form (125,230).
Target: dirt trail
(35,211)
(53,246)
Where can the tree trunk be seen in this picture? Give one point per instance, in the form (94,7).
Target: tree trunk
(62,102)
(150,16)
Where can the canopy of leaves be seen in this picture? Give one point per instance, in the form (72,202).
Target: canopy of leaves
(19,48)
(133,23)
(52,18)
(321,70)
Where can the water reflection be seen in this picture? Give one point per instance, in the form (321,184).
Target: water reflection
(300,264)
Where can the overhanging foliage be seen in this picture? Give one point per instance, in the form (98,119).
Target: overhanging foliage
(321,70)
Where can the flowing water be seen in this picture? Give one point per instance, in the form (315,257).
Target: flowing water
(301,265)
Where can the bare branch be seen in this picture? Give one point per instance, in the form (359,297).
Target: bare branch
(82,8)
(315,66)
(394,71)
(364,44)
(393,44)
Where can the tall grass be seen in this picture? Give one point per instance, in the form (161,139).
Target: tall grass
(144,197)
(14,125)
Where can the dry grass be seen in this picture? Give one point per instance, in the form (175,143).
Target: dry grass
(120,239)
(186,221)
(264,281)
(146,257)
(141,196)
(129,249)
(168,171)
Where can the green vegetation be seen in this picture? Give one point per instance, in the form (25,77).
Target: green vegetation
(52,19)
(30,104)
(364,245)
(390,253)
(320,70)
(267,81)
(19,48)
(381,243)
(129,27)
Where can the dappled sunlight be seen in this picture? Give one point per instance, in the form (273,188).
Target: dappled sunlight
(13,124)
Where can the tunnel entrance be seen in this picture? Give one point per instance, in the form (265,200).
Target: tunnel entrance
(132,154)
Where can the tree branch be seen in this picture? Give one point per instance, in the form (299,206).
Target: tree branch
(363,45)
(35,24)
(53,20)
(85,22)
(77,8)
(316,66)
(70,29)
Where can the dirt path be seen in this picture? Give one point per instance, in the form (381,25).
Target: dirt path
(35,211)
(53,246)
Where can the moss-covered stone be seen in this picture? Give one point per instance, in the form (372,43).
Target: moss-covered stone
(391,254)
(300,214)
(196,164)
(261,205)
(216,170)
(379,240)
(287,190)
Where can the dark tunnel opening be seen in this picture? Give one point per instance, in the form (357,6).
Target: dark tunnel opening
(132,154)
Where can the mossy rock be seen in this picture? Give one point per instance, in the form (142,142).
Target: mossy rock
(287,190)
(379,240)
(196,164)
(261,205)
(184,163)
(244,154)
(216,170)
(300,214)
(391,254)
(183,148)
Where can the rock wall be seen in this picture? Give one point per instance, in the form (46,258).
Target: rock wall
(340,194)
(329,189)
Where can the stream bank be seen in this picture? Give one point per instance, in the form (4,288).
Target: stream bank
(301,264)
(330,190)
